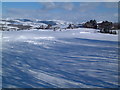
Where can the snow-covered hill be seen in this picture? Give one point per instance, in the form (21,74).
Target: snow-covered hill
(33,24)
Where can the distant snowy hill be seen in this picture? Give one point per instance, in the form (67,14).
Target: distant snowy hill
(33,24)
(52,22)
(36,24)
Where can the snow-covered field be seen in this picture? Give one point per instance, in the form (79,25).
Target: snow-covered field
(84,33)
(80,58)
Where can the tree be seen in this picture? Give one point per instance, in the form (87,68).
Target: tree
(71,26)
(105,26)
(49,26)
(91,24)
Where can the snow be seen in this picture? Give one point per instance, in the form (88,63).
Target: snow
(73,58)
(100,22)
(36,23)
(84,33)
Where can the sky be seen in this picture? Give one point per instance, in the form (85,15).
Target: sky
(69,11)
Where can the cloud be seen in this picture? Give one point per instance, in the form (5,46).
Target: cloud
(115,14)
(48,5)
(63,11)
(68,6)
(88,6)
(18,13)
(53,5)
(111,5)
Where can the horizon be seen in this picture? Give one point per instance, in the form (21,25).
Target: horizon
(76,12)
(35,19)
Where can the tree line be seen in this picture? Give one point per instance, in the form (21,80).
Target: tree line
(104,26)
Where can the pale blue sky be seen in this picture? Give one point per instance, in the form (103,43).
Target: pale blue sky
(69,11)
